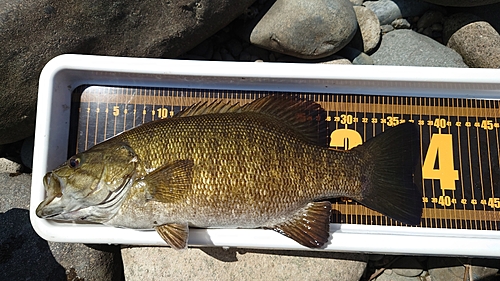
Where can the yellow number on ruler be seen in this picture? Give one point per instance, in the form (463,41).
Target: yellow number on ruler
(444,200)
(441,147)
(487,124)
(162,112)
(494,202)
(440,123)
(346,138)
(116,110)
(346,119)
(392,121)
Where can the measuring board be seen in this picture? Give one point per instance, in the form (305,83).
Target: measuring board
(459,141)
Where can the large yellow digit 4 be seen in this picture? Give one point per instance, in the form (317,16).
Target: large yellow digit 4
(441,147)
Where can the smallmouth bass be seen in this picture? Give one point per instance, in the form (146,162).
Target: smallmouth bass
(261,165)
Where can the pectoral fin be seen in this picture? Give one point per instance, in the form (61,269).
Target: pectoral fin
(310,226)
(170,183)
(175,234)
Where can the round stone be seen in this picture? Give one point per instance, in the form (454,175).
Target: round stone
(476,41)
(306,28)
(368,35)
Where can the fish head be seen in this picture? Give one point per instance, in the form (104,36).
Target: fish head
(90,185)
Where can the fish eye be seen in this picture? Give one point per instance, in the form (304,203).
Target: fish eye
(74,162)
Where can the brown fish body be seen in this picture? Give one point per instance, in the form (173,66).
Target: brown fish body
(248,171)
(221,166)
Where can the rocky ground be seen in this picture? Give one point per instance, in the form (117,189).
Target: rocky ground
(439,33)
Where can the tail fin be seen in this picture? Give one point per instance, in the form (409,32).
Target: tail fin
(389,160)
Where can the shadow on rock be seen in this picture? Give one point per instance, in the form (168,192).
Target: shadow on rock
(23,254)
(230,255)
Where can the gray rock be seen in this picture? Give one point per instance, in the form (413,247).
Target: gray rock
(401,24)
(406,47)
(389,10)
(476,41)
(15,191)
(462,3)
(122,28)
(26,256)
(306,29)
(158,263)
(454,269)
(368,35)
(386,28)
(9,166)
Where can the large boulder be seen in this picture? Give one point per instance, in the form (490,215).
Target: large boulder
(308,29)
(34,31)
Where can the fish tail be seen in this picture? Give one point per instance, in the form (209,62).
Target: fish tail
(389,161)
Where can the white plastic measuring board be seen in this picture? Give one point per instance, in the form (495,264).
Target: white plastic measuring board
(86,99)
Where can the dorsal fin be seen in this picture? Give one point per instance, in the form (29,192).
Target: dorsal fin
(305,117)
(203,108)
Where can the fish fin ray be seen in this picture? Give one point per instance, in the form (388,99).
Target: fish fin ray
(175,234)
(310,226)
(170,182)
(215,107)
(389,162)
(304,117)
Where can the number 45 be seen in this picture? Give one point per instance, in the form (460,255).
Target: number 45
(440,147)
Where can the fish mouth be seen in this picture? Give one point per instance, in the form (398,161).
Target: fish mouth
(55,206)
(50,207)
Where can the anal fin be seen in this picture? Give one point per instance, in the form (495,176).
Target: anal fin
(175,234)
(310,226)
